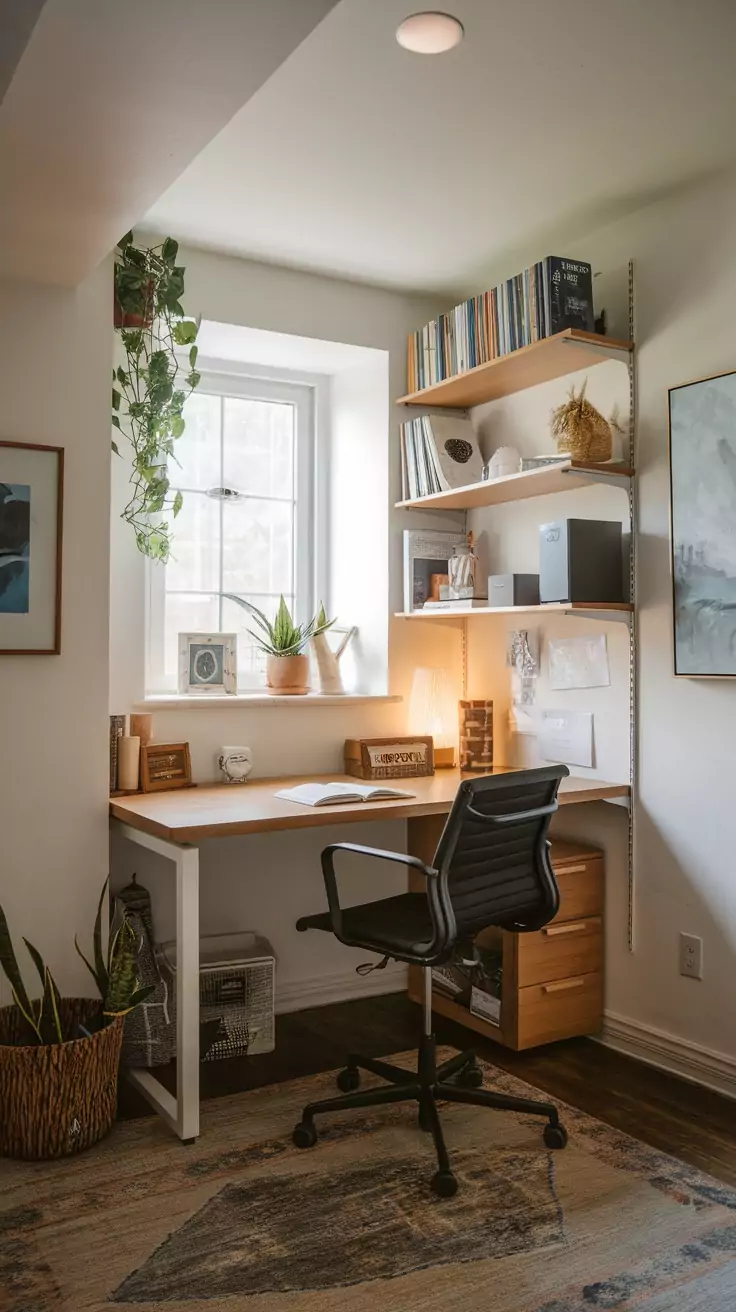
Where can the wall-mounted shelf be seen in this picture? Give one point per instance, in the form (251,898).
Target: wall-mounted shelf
(552,357)
(562,477)
(603,610)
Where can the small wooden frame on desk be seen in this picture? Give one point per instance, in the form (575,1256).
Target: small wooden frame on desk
(164,766)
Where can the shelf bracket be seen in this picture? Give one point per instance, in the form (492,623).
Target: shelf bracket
(625,802)
(593,476)
(601,352)
(609,616)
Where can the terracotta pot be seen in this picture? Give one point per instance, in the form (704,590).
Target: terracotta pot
(124,319)
(59,1098)
(287,676)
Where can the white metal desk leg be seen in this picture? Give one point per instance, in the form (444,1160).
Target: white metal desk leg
(187,993)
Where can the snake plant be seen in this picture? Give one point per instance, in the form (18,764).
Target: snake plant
(282,637)
(114,972)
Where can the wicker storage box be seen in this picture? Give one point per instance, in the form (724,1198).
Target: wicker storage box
(236,994)
(389,758)
(57,1098)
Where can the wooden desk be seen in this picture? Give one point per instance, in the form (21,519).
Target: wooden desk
(173,823)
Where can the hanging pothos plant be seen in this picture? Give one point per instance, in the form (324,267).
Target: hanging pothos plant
(149,391)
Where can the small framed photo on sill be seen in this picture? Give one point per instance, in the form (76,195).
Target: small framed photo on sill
(208,663)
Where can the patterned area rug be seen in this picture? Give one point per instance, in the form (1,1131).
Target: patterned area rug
(244,1222)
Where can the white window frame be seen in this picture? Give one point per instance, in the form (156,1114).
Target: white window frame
(309,396)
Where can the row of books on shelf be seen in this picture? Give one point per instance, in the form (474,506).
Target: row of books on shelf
(546,298)
(438,452)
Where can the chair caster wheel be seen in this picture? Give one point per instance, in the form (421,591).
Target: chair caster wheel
(348,1080)
(471,1078)
(444,1184)
(305,1134)
(555,1136)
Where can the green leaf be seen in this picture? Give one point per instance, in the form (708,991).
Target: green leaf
(37,960)
(116,398)
(178,503)
(101,973)
(116,424)
(194,352)
(114,446)
(184,331)
(26,1012)
(193,379)
(122,377)
(49,1020)
(10,966)
(125,241)
(169,250)
(177,426)
(89,967)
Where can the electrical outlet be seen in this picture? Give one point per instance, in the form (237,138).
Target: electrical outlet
(691,956)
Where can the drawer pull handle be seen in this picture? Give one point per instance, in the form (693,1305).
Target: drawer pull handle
(573,927)
(570,870)
(562,985)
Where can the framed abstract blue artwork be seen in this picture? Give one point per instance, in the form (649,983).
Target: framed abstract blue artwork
(702,419)
(31,503)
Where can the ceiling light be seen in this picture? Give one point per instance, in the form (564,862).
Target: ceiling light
(430,33)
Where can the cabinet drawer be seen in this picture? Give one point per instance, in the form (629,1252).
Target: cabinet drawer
(581,888)
(562,949)
(559,1010)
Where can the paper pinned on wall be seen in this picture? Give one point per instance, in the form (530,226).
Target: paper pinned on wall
(578,663)
(566,736)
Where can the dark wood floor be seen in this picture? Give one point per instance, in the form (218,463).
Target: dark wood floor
(670,1114)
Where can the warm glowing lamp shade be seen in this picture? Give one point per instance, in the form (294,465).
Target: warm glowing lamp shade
(433,710)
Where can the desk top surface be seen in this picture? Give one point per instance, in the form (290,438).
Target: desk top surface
(189,815)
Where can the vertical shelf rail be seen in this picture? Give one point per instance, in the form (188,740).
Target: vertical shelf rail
(634,626)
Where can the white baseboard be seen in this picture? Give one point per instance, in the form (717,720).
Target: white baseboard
(715,1070)
(298,994)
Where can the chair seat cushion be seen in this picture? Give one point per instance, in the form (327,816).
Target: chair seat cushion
(398,926)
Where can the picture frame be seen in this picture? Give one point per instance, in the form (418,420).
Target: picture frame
(702,467)
(165,766)
(31,534)
(208,664)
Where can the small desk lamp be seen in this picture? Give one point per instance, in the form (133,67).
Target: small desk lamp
(433,709)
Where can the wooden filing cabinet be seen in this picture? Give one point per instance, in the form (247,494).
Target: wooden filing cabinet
(553,978)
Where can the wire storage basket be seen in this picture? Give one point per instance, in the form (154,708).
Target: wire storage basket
(237,985)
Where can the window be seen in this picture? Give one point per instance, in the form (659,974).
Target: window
(246,471)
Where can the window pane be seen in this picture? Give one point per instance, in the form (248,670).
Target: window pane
(259,447)
(198,449)
(251,660)
(186,614)
(258,547)
(195,554)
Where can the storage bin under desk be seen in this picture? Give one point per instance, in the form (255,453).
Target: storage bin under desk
(553,978)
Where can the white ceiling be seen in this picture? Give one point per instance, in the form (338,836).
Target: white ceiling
(360,159)
(108,103)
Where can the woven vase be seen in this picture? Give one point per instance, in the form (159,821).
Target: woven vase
(581,430)
(57,1098)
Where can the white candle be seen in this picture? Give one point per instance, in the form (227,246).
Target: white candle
(129,754)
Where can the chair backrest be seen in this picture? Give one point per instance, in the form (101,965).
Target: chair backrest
(493,856)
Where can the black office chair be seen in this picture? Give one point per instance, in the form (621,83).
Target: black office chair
(491,867)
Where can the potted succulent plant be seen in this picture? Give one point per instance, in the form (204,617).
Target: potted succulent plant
(150,388)
(59,1056)
(285,644)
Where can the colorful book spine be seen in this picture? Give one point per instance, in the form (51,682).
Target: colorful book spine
(117,729)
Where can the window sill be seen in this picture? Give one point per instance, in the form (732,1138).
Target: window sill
(243,701)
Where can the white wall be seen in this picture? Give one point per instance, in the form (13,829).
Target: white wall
(685,269)
(55,356)
(267,883)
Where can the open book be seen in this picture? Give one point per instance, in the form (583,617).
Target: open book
(332,794)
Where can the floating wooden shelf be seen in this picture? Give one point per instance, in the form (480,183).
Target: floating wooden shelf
(560,607)
(552,357)
(562,477)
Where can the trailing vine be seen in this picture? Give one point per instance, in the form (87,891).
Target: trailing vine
(149,392)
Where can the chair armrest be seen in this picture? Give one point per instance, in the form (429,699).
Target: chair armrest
(328,871)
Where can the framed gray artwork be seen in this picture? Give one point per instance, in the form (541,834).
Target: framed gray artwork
(702,427)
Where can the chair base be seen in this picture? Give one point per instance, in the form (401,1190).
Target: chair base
(457,1080)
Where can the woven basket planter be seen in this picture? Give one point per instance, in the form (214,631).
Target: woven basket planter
(59,1098)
